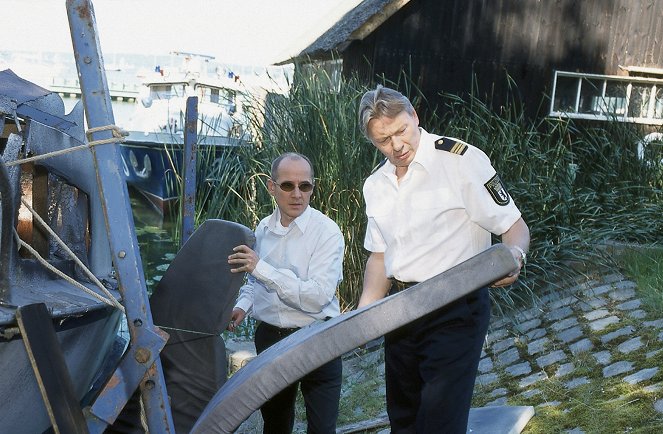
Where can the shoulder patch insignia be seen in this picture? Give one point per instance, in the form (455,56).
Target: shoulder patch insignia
(380,164)
(450,145)
(497,191)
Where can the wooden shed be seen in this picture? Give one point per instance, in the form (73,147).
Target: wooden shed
(611,48)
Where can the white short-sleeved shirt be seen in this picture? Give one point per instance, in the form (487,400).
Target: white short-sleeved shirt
(441,213)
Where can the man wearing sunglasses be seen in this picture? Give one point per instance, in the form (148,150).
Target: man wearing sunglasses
(433,204)
(293,272)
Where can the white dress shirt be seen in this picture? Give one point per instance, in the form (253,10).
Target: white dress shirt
(439,214)
(300,268)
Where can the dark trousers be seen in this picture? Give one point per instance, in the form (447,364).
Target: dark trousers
(321,390)
(431,366)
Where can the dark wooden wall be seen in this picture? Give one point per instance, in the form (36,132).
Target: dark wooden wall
(443,43)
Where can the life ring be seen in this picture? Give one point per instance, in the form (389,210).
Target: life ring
(646,140)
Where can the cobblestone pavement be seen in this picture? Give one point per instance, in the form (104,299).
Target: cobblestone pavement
(602,319)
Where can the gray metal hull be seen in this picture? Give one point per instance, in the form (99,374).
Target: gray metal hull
(86,340)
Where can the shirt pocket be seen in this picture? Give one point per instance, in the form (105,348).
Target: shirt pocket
(436,199)
(380,218)
(428,215)
(379,207)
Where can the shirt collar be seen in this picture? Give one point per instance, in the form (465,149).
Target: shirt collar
(424,151)
(301,222)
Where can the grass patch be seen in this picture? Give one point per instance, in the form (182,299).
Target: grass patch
(596,411)
(362,394)
(645,267)
(603,405)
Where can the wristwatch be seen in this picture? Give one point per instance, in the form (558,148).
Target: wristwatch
(523,255)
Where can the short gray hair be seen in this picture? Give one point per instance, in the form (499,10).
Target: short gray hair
(380,102)
(289,156)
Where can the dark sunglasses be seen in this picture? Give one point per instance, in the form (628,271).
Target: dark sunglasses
(288,186)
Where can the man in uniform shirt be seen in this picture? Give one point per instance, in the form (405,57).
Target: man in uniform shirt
(293,275)
(433,204)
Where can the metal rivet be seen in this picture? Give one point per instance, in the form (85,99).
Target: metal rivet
(142,355)
(121,254)
(87,59)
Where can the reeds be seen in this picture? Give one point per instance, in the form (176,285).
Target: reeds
(576,184)
(318,120)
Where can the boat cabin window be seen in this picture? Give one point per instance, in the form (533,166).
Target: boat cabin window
(166,91)
(216,95)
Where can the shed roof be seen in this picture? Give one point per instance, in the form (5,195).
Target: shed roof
(356,24)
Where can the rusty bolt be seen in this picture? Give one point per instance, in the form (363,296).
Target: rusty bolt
(142,355)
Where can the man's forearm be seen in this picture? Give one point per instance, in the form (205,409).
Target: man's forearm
(318,289)
(376,283)
(517,235)
(517,239)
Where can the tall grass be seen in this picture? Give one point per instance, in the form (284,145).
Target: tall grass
(577,185)
(318,121)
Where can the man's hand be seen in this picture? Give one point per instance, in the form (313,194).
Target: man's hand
(517,235)
(243,260)
(513,276)
(236,319)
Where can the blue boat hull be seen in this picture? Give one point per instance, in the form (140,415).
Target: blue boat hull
(151,169)
(152,163)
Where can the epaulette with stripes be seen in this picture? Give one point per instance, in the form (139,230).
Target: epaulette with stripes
(450,145)
(380,164)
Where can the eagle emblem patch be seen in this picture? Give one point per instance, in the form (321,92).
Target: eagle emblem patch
(497,190)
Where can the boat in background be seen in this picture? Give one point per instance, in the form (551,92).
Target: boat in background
(152,152)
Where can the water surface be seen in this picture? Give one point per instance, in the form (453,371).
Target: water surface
(155,239)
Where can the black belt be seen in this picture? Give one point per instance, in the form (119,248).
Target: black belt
(282,332)
(398,286)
